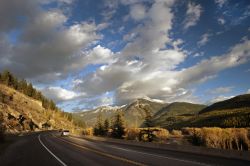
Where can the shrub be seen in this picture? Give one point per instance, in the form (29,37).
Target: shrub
(143,134)
(161,134)
(132,134)
(88,131)
(229,138)
(176,133)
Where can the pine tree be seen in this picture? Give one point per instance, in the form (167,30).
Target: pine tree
(148,123)
(106,126)
(99,128)
(118,126)
(7,78)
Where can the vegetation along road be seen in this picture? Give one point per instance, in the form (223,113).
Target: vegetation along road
(49,148)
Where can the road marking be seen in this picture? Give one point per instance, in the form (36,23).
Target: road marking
(103,153)
(39,138)
(170,158)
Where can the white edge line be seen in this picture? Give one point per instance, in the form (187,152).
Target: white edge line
(51,152)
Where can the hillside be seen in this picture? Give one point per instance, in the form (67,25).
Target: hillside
(134,112)
(240,101)
(23,113)
(176,112)
(234,112)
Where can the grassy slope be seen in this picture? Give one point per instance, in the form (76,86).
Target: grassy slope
(176,112)
(22,113)
(234,112)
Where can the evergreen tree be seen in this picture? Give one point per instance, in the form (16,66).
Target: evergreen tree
(106,126)
(29,90)
(148,123)
(118,126)
(99,128)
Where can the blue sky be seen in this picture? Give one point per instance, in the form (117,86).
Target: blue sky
(84,54)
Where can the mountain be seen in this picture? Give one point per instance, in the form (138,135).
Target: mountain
(234,112)
(240,101)
(134,112)
(90,117)
(175,113)
(23,108)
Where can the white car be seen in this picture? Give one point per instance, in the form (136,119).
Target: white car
(65,133)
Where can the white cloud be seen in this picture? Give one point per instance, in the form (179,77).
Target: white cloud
(59,94)
(204,39)
(46,46)
(220,98)
(248,91)
(221,21)
(207,69)
(220,3)
(221,90)
(137,12)
(193,14)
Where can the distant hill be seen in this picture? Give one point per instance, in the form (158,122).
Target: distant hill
(240,101)
(234,112)
(176,112)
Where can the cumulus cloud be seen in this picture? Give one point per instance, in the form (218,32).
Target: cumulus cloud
(193,14)
(60,94)
(45,47)
(207,69)
(248,91)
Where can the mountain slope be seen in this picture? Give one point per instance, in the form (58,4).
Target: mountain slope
(240,101)
(134,112)
(90,117)
(176,112)
(23,113)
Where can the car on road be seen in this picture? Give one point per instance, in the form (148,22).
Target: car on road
(65,133)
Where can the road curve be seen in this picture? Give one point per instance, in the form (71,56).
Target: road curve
(48,148)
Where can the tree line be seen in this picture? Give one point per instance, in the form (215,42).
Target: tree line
(26,88)
(116,125)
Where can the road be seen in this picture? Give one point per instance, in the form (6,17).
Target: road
(49,149)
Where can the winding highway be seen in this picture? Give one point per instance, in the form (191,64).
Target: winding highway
(49,149)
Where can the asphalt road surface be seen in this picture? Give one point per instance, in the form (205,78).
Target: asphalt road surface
(49,149)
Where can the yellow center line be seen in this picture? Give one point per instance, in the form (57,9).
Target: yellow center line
(103,153)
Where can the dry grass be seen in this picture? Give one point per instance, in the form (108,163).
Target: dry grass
(176,133)
(160,134)
(88,131)
(229,138)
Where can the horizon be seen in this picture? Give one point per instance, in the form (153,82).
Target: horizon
(86,54)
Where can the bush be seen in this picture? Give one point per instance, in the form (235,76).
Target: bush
(229,138)
(143,134)
(88,131)
(176,133)
(132,134)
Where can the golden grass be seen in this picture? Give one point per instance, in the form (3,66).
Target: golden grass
(214,137)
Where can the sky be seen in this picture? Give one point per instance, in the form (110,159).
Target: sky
(89,53)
